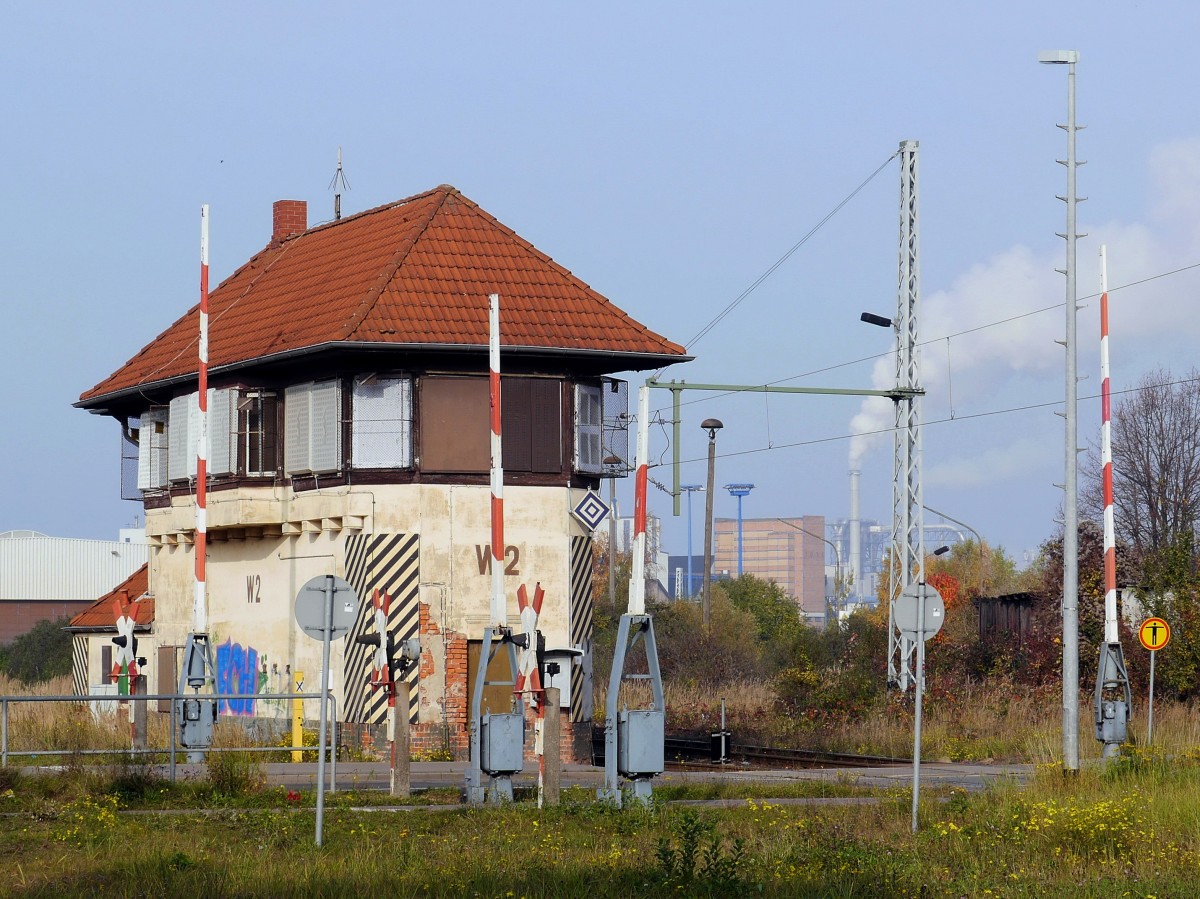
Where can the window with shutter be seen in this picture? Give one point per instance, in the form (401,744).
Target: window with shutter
(313,427)
(182,459)
(222,432)
(589,420)
(516,424)
(545,420)
(184,429)
(455,424)
(455,429)
(325,437)
(381,423)
(152,449)
(296,402)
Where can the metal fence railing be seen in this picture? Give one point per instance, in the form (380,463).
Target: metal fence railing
(173,748)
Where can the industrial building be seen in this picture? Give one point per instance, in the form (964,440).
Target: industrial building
(349,426)
(45,578)
(788,551)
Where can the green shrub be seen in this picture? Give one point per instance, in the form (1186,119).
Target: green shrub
(234,770)
(40,654)
(695,856)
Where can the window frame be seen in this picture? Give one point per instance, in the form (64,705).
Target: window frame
(265,404)
(402,450)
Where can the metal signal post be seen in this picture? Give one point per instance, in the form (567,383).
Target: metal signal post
(908,522)
(1070,594)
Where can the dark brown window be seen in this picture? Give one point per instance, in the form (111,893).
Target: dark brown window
(532,427)
(455,424)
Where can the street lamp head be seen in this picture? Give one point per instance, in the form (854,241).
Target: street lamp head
(1058,57)
(941,550)
(739,489)
(690,488)
(872,319)
(712,425)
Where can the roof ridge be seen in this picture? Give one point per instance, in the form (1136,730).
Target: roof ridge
(599,297)
(388,272)
(383,207)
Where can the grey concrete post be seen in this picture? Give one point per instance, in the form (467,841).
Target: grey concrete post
(139,713)
(552,746)
(401,745)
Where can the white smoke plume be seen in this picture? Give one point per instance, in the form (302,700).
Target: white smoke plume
(1018,362)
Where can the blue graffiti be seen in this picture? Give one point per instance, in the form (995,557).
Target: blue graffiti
(237,672)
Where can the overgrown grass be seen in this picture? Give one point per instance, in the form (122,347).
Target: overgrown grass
(60,731)
(1131,829)
(997,721)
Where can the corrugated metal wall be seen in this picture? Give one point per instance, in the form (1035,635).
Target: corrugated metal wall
(62,568)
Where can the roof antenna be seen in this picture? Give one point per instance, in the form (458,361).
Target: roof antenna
(339,181)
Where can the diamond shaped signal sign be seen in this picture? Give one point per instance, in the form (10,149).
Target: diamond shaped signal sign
(591,510)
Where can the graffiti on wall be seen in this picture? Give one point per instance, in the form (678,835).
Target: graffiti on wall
(237,673)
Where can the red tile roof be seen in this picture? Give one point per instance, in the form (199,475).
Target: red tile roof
(102,614)
(415,274)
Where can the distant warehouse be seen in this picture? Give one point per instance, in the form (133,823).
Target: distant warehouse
(46,578)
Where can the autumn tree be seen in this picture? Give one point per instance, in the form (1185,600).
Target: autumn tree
(1156,463)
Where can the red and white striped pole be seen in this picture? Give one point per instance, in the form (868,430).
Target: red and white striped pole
(499,608)
(637,581)
(1110,540)
(199,602)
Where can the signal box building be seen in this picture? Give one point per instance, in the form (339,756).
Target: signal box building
(349,429)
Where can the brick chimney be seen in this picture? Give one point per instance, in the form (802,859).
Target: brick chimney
(288,217)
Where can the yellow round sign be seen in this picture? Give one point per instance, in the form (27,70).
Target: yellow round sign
(1154,633)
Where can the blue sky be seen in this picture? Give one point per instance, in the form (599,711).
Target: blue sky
(666,153)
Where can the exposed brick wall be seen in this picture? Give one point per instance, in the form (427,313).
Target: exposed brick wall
(448,726)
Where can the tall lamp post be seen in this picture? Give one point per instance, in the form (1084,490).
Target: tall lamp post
(740,491)
(712,425)
(1070,601)
(690,489)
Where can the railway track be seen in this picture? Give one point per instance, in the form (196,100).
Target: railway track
(689,750)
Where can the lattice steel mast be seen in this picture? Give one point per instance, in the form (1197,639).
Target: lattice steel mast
(908,532)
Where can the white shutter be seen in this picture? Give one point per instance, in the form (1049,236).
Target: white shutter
(325,443)
(152,449)
(222,429)
(404,449)
(182,458)
(381,423)
(296,401)
(588,421)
